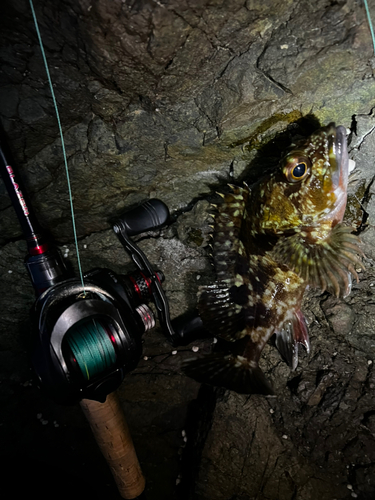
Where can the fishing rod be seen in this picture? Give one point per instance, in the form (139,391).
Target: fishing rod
(87,337)
(87,332)
(43,261)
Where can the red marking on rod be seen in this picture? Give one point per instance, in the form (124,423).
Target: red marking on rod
(39,249)
(18,191)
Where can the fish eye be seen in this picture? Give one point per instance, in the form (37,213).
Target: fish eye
(299,170)
(296,169)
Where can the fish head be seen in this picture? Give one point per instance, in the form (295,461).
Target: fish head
(306,204)
(318,169)
(309,189)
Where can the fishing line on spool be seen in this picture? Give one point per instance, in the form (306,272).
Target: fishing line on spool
(62,142)
(92,344)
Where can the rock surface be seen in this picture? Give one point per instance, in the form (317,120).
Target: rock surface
(171,99)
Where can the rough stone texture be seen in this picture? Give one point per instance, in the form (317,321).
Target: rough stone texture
(170,99)
(157,99)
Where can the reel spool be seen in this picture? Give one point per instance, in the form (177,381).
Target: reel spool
(85,341)
(92,346)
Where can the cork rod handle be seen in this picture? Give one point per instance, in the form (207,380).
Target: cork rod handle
(107,422)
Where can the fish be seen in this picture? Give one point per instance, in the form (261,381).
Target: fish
(270,242)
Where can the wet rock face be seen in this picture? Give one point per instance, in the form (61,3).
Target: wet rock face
(173,99)
(160,98)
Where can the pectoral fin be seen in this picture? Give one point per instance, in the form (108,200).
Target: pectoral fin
(323,262)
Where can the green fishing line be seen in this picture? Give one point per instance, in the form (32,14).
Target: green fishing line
(91,347)
(370,23)
(62,141)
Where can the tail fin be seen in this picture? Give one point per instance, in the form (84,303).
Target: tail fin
(233,372)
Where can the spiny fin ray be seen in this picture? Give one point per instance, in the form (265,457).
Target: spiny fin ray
(323,263)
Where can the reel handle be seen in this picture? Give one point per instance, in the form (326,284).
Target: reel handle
(151,215)
(111,432)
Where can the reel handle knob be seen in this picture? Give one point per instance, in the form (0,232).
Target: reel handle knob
(151,215)
(111,432)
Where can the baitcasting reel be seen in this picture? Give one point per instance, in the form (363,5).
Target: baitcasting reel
(87,337)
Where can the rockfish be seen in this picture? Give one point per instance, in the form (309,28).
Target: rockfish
(269,243)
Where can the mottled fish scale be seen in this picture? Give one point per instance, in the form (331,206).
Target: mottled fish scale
(246,288)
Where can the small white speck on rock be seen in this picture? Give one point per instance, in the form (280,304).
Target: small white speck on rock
(174,353)
(272,410)
(145,358)
(214,340)
(349,486)
(195,348)
(10,271)
(369,362)
(284,436)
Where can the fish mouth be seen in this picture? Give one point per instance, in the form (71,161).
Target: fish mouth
(339,163)
(339,159)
